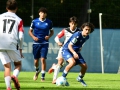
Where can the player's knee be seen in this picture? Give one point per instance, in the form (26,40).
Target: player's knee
(60,61)
(84,66)
(7,65)
(72,63)
(17,64)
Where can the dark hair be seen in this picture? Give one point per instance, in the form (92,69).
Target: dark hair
(73,19)
(42,9)
(11,4)
(89,25)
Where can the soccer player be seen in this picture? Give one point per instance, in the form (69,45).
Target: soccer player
(41,30)
(66,33)
(11,42)
(71,51)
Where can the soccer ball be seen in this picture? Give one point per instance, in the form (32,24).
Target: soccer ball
(61,81)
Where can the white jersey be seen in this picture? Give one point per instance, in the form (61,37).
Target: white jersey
(66,33)
(11,31)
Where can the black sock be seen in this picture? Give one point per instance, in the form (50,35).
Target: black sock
(37,69)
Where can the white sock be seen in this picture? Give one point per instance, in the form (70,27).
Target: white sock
(56,72)
(65,71)
(16,72)
(42,71)
(54,66)
(7,81)
(80,75)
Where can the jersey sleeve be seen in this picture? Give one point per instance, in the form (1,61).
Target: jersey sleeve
(31,26)
(51,25)
(20,27)
(59,35)
(21,34)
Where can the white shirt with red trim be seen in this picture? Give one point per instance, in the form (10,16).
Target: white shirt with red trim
(11,31)
(66,33)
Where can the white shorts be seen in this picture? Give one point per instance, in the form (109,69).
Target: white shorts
(59,53)
(60,56)
(7,56)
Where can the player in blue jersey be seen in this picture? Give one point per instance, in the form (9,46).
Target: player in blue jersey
(41,30)
(66,33)
(71,51)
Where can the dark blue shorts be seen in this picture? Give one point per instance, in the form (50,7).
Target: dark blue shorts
(40,50)
(66,54)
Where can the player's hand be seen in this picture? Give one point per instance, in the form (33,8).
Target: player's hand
(47,37)
(60,44)
(75,55)
(22,56)
(35,38)
(21,53)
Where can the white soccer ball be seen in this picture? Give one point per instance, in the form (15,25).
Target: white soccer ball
(61,81)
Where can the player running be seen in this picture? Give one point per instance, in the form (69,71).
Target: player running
(71,51)
(41,30)
(11,42)
(66,33)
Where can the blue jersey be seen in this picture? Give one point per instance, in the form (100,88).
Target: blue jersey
(41,29)
(77,40)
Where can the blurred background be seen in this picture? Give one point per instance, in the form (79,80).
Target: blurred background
(59,11)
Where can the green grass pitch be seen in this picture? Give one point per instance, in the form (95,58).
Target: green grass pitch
(95,81)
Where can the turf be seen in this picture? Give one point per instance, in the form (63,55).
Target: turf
(95,81)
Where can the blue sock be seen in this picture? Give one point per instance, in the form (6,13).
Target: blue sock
(43,75)
(81,76)
(64,73)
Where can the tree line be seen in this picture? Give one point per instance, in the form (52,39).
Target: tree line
(59,11)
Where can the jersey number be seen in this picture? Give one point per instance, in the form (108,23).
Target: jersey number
(8,21)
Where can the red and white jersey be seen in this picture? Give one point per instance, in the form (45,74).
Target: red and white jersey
(66,33)
(11,31)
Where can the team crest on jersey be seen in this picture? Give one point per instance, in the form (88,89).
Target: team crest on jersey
(46,23)
(74,40)
(38,23)
(68,56)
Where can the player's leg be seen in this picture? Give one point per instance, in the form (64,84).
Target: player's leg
(68,56)
(36,66)
(57,69)
(7,75)
(7,67)
(43,69)
(52,68)
(56,65)
(16,58)
(36,54)
(71,63)
(44,51)
(83,66)
(82,74)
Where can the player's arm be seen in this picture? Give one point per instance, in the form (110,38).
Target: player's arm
(50,35)
(31,32)
(21,37)
(70,47)
(57,38)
